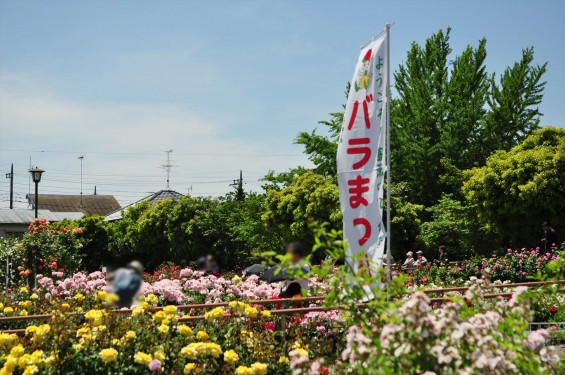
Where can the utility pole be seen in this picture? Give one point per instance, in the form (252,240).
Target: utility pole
(81,159)
(238,184)
(11,177)
(168,166)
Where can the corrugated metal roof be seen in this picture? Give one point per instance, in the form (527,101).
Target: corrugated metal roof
(23,216)
(89,204)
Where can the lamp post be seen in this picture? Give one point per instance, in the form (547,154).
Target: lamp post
(36,177)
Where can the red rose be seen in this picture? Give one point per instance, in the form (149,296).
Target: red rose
(270,326)
(553,309)
(323,370)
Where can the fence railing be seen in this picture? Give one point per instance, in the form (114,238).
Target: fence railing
(290,304)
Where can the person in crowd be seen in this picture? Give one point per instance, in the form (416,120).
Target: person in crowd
(549,236)
(409,262)
(202,264)
(211,264)
(420,259)
(443,257)
(126,282)
(299,284)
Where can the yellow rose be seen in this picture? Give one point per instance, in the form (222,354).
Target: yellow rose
(24,361)
(266,313)
(214,314)
(243,370)
(17,351)
(23,289)
(10,365)
(37,357)
(65,306)
(101,295)
(142,358)
(170,309)
(237,306)
(202,336)
(251,312)
(163,328)
(283,360)
(108,355)
(159,355)
(159,315)
(130,335)
(151,299)
(231,357)
(78,346)
(23,312)
(259,368)
(184,330)
(138,311)
(189,367)
(34,296)
(8,310)
(79,297)
(30,370)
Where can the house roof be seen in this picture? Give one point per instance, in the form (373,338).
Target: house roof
(91,204)
(24,216)
(153,198)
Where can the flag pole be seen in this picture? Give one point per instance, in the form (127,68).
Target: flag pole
(388,228)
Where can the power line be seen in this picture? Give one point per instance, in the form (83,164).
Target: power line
(148,153)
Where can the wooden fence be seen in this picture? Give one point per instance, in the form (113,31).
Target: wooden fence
(290,302)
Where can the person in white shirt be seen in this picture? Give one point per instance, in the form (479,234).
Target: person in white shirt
(420,259)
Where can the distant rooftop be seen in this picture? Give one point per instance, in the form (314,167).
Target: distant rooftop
(91,204)
(24,216)
(153,198)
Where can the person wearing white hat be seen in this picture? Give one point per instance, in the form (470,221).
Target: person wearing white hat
(409,262)
(420,259)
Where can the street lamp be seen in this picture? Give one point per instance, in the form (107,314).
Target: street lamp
(36,177)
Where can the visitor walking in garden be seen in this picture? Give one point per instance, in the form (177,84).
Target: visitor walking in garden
(549,238)
(299,284)
(126,282)
(443,257)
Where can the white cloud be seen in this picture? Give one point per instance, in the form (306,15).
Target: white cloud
(121,140)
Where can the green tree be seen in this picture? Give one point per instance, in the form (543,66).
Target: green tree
(519,189)
(95,237)
(513,104)
(312,198)
(448,111)
(453,224)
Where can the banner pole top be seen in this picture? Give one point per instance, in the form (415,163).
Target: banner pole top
(387,27)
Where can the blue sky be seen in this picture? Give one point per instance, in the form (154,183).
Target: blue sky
(225,84)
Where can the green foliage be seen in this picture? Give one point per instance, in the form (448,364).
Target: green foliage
(514,113)
(45,249)
(519,189)
(405,221)
(450,114)
(454,225)
(311,198)
(95,237)
(228,228)
(9,252)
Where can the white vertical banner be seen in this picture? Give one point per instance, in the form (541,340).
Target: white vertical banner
(361,159)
